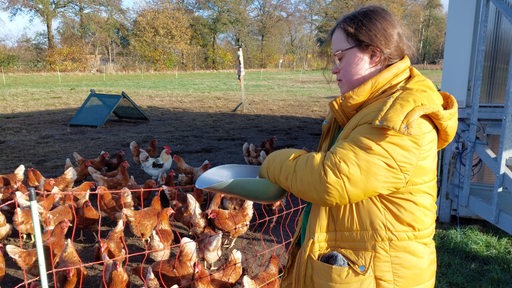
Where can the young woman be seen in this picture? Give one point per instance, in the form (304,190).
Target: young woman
(372,184)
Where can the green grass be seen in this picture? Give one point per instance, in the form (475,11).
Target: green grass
(476,255)
(472,256)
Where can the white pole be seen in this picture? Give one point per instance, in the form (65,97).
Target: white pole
(3,75)
(241,73)
(38,238)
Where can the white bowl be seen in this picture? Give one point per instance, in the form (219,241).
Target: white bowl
(240,181)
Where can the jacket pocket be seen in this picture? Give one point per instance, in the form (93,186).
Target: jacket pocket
(358,273)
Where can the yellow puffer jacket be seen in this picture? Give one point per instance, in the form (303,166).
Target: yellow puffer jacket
(373,189)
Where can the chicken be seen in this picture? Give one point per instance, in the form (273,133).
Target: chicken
(142,222)
(114,162)
(64,182)
(53,247)
(70,272)
(10,183)
(57,214)
(114,273)
(274,209)
(229,273)
(188,212)
(255,155)
(178,268)
(232,222)
(99,163)
(151,149)
(201,278)
(83,190)
(110,203)
(160,243)
(120,180)
(22,221)
(252,155)
(226,276)
(140,193)
(191,172)
(162,236)
(155,167)
(2,263)
(268,278)
(17,176)
(87,217)
(5,227)
(113,246)
(81,169)
(209,244)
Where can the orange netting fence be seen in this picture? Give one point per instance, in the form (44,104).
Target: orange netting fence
(102,238)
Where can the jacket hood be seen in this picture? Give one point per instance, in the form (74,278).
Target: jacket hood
(408,95)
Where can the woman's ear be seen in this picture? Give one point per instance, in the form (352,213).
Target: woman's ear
(375,56)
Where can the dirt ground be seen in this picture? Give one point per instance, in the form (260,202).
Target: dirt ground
(193,130)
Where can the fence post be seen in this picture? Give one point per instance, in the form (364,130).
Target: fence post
(38,238)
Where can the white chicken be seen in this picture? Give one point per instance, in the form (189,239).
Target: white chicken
(155,167)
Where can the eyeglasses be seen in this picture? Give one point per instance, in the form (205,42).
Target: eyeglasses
(338,56)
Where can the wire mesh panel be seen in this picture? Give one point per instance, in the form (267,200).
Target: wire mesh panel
(154,237)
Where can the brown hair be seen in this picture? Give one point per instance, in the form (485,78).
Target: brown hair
(373,27)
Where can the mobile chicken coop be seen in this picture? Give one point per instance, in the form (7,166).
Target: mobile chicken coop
(476,177)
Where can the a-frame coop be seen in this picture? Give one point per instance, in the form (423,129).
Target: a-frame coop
(98,107)
(476,177)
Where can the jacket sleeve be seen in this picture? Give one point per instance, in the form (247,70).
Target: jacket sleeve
(369,161)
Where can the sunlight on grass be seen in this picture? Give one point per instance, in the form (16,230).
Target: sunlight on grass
(473,256)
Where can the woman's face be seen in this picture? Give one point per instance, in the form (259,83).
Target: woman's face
(351,66)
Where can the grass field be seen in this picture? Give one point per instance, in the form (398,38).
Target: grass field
(470,254)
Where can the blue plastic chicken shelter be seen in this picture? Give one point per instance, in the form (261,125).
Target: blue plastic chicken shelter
(98,107)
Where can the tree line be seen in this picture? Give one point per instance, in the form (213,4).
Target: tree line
(102,35)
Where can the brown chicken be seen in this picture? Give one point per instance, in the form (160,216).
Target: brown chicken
(190,173)
(81,169)
(114,161)
(114,274)
(22,221)
(226,276)
(64,182)
(142,222)
(70,272)
(58,214)
(119,181)
(188,212)
(162,236)
(151,149)
(2,262)
(209,244)
(109,203)
(229,273)
(268,278)
(5,227)
(99,163)
(113,246)
(232,222)
(53,247)
(83,190)
(252,155)
(87,217)
(142,192)
(11,178)
(179,267)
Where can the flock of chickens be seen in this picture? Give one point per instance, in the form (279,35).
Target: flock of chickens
(99,192)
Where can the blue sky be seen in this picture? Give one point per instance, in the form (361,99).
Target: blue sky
(10,31)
